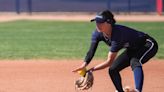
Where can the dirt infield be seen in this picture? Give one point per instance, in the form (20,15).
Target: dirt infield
(5,17)
(56,76)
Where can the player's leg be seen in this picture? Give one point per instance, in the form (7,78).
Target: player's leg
(140,57)
(120,63)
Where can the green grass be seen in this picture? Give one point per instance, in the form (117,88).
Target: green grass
(60,40)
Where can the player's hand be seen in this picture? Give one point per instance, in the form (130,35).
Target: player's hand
(78,69)
(91,69)
(83,66)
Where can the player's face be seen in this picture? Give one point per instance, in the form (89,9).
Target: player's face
(104,27)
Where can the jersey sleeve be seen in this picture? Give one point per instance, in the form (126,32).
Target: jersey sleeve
(115,46)
(93,46)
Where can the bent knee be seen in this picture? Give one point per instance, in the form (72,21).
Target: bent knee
(135,63)
(112,70)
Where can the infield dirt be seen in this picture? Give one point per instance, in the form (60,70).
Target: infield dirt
(5,17)
(56,76)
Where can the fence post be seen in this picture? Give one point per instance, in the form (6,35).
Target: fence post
(17,6)
(129,6)
(29,4)
(159,6)
(109,5)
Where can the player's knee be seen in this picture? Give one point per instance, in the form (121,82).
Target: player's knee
(112,70)
(135,63)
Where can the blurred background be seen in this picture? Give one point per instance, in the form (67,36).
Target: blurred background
(61,28)
(117,6)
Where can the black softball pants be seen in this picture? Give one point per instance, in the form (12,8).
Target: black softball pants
(133,58)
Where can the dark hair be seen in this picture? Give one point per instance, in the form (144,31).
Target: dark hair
(108,16)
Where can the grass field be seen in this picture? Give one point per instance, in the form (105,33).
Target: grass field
(60,40)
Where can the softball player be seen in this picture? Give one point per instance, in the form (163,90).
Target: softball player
(140,47)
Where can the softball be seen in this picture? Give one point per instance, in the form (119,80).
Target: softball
(82,72)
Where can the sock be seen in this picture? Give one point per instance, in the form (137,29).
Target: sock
(139,78)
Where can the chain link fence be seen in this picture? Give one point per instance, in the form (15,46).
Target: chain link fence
(30,6)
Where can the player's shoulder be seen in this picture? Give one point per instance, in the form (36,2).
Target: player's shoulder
(122,27)
(118,26)
(96,33)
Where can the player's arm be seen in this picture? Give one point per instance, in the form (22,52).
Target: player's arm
(90,53)
(88,57)
(115,47)
(107,63)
